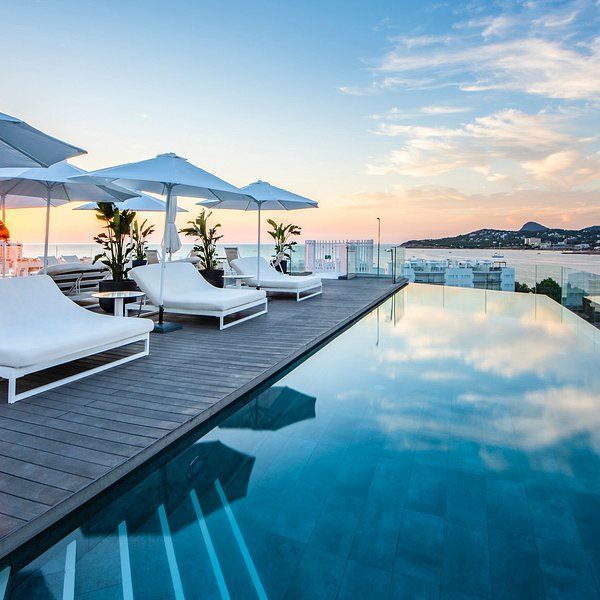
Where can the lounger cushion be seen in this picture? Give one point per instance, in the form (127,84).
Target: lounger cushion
(186,289)
(81,267)
(40,324)
(272,278)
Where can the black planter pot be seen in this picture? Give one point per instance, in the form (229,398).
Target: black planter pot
(108,285)
(213,276)
(139,262)
(283,266)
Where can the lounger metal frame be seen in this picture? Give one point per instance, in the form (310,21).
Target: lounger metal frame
(14,373)
(297,291)
(221,314)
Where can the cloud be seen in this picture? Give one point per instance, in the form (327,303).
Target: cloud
(369,90)
(530,148)
(554,54)
(556,21)
(565,169)
(444,110)
(536,66)
(383,84)
(490,26)
(397,114)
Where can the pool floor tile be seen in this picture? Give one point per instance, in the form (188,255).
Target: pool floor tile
(516,570)
(448,594)
(427,490)
(377,535)
(355,474)
(552,515)
(565,570)
(586,508)
(368,438)
(466,562)
(466,455)
(508,508)
(585,470)
(390,482)
(466,497)
(47,586)
(318,577)
(409,588)
(300,511)
(430,448)
(276,562)
(322,465)
(419,552)
(362,581)
(340,431)
(503,462)
(336,526)
(114,592)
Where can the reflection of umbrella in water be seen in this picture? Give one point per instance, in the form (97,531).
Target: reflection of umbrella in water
(196,468)
(204,478)
(212,461)
(275,408)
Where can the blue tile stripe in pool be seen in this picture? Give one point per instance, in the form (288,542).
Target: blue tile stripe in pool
(4,577)
(173,568)
(214,559)
(445,446)
(125,562)
(258,586)
(69,579)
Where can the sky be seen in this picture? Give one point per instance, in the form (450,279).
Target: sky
(438,117)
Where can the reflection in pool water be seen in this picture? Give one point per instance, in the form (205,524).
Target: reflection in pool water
(447,443)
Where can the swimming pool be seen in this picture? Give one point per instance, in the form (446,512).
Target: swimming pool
(446,444)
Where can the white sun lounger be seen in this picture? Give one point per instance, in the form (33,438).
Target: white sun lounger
(42,328)
(187,292)
(272,280)
(78,280)
(71,258)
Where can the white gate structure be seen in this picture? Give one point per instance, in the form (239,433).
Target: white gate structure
(339,258)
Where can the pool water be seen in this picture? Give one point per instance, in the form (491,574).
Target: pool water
(446,445)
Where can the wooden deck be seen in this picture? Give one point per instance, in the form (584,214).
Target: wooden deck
(61,448)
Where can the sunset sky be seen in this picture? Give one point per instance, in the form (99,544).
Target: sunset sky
(438,117)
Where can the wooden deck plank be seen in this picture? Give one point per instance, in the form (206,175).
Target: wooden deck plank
(52,446)
(52,461)
(41,474)
(61,448)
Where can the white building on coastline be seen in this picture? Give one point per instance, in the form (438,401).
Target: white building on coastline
(482,274)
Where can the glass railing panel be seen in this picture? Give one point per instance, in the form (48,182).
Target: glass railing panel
(549,281)
(397,257)
(578,288)
(351,262)
(510,304)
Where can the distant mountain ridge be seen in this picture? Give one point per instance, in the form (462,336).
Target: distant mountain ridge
(504,238)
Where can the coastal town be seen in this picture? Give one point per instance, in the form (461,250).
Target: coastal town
(531,236)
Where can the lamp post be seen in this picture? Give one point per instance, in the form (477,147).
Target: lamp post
(378,243)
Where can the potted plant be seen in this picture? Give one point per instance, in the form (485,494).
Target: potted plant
(206,247)
(282,235)
(117,250)
(139,234)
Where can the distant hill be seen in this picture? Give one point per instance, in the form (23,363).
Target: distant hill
(502,238)
(533,226)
